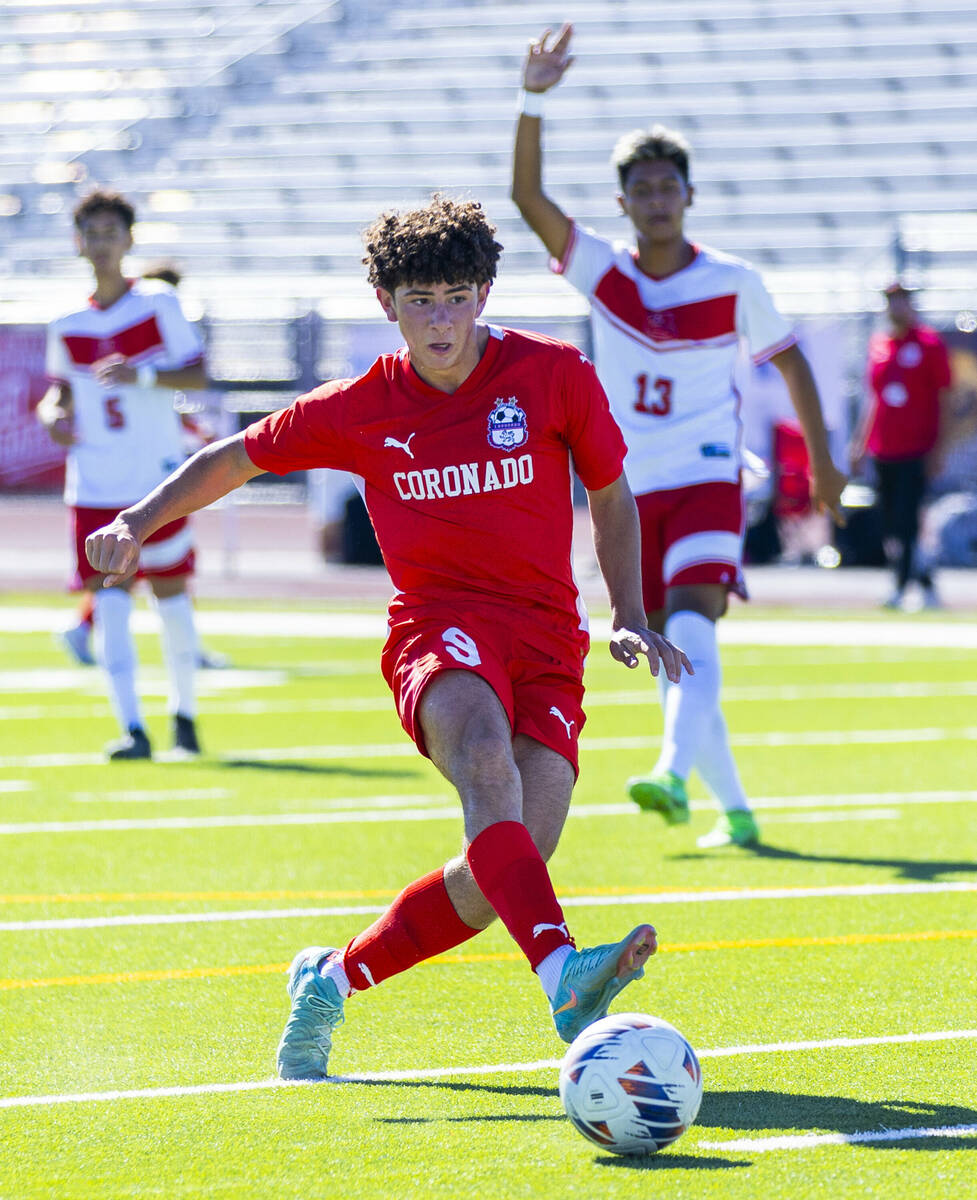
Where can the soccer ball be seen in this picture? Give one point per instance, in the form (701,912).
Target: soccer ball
(631,1083)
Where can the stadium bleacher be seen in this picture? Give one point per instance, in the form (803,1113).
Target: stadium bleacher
(257,138)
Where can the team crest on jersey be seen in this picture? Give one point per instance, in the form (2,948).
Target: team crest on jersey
(507,425)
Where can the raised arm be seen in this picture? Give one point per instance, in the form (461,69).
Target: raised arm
(544,68)
(827,482)
(210,474)
(617,542)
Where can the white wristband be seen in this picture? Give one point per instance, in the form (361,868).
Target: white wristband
(531,103)
(146,375)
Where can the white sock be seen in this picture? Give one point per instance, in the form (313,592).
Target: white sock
(179,640)
(551,968)
(717,767)
(332,968)
(116,653)
(690,704)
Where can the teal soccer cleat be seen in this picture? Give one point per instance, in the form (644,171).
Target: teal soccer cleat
(661,792)
(592,978)
(317,1008)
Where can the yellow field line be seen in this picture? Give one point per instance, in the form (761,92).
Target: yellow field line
(143,976)
(841,939)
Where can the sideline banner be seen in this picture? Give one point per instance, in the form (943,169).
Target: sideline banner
(29,460)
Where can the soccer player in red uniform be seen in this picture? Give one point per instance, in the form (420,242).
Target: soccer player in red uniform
(114,366)
(463,444)
(668,317)
(908,378)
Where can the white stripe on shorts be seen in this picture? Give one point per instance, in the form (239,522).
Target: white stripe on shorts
(160,556)
(717,546)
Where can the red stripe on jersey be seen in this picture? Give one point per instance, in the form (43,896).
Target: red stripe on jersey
(697,321)
(130,343)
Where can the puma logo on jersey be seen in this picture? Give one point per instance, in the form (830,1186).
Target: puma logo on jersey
(567,725)
(405,446)
(542,928)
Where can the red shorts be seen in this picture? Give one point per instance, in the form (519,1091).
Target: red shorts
(537,675)
(168,551)
(691,535)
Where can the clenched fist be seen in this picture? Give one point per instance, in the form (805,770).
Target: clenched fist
(113,551)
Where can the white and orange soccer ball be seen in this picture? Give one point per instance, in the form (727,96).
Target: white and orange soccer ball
(631,1083)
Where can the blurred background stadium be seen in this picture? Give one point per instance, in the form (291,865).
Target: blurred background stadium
(834,147)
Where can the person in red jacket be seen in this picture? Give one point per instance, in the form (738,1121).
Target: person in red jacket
(908,379)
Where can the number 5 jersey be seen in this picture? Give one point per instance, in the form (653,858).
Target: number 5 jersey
(665,350)
(129,438)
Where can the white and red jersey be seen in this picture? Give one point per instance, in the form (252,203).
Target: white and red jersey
(129,438)
(470,493)
(666,350)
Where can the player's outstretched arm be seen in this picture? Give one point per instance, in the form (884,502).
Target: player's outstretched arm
(617,541)
(827,482)
(544,67)
(210,474)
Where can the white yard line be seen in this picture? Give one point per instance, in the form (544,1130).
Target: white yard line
(768,740)
(650,899)
(361,804)
(151,797)
(832,818)
(804,1141)
(547,1064)
(321,624)
(368,810)
(912,690)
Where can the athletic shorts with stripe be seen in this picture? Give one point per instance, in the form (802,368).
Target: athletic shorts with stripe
(536,673)
(691,535)
(167,552)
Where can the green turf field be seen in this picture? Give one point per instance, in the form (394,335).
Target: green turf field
(149,909)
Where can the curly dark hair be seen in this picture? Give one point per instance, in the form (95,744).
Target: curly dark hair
(449,241)
(104,201)
(657,144)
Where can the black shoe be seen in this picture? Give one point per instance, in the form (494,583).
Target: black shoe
(135,744)
(212,660)
(185,735)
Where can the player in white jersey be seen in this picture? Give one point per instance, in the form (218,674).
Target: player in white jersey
(668,317)
(114,366)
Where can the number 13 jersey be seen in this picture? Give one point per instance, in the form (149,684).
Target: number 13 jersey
(665,350)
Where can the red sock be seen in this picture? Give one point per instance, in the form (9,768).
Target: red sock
(420,923)
(513,878)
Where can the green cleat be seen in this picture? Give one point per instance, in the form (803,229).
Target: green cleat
(317,1008)
(661,792)
(592,978)
(737,827)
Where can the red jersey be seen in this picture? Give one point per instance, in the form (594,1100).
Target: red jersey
(470,493)
(906,375)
